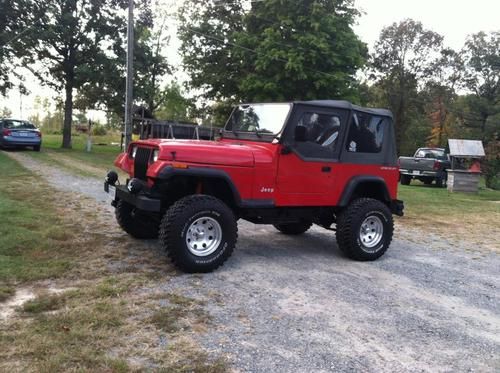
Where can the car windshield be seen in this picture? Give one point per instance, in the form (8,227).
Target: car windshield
(261,119)
(17,124)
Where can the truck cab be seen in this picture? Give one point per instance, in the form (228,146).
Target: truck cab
(291,165)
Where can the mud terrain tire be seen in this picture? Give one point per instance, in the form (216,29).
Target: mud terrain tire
(199,233)
(364,229)
(136,223)
(405,180)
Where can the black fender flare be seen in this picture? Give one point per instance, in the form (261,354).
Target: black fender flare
(354,182)
(203,172)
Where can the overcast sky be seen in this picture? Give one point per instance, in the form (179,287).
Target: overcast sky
(454,19)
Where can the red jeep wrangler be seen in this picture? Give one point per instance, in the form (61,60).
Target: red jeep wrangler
(287,164)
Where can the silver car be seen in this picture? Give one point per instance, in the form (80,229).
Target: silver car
(19,133)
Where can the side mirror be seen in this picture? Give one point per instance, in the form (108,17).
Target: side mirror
(300,134)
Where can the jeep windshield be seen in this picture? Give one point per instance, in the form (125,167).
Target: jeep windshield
(257,120)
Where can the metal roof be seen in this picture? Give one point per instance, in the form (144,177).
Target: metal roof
(466,148)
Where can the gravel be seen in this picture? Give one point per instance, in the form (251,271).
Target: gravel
(295,304)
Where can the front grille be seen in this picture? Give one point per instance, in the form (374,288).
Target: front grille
(141,162)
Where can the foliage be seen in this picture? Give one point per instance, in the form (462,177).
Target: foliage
(5,112)
(481,67)
(174,105)
(12,25)
(492,163)
(70,43)
(404,58)
(276,50)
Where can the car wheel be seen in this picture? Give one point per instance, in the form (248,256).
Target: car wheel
(199,233)
(405,180)
(364,229)
(427,181)
(135,222)
(36,148)
(293,228)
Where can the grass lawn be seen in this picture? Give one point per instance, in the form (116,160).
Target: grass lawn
(89,306)
(77,159)
(464,216)
(33,240)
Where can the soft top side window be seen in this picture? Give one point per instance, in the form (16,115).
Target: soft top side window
(366,133)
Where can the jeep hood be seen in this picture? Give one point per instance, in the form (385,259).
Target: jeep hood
(208,152)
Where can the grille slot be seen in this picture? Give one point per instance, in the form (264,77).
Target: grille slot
(141,162)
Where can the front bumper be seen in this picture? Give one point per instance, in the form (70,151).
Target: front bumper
(140,201)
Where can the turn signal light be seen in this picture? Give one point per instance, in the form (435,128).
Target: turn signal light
(179,165)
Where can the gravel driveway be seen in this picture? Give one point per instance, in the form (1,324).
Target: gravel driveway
(295,304)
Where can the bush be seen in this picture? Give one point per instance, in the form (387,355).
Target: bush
(492,165)
(99,130)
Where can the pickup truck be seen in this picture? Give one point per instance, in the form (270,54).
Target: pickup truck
(427,165)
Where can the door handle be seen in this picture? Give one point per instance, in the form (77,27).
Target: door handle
(326,169)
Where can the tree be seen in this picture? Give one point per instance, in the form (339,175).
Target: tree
(149,63)
(12,25)
(174,105)
(403,60)
(107,90)
(482,78)
(71,40)
(205,28)
(5,112)
(276,50)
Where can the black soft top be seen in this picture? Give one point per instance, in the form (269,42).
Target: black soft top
(341,104)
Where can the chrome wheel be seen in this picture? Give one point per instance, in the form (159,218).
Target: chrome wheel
(203,236)
(371,232)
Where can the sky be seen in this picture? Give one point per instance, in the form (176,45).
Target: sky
(454,19)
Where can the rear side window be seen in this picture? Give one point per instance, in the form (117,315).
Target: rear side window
(366,133)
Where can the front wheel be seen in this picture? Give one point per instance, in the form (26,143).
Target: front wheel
(364,229)
(137,223)
(199,233)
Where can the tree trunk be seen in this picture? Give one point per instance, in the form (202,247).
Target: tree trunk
(68,114)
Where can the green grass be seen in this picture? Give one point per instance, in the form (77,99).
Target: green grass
(32,240)
(422,199)
(77,160)
(471,217)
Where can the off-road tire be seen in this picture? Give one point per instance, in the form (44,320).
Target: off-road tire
(36,148)
(349,223)
(428,180)
(293,228)
(405,180)
(136,223)
(179,219)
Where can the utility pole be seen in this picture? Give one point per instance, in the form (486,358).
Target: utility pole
(129,97)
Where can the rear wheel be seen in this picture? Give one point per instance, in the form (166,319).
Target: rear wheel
(135,222)
(440,182)
(427,180)
(293,228)
(364,229)
(36,148)
(405,180)
(199,233)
